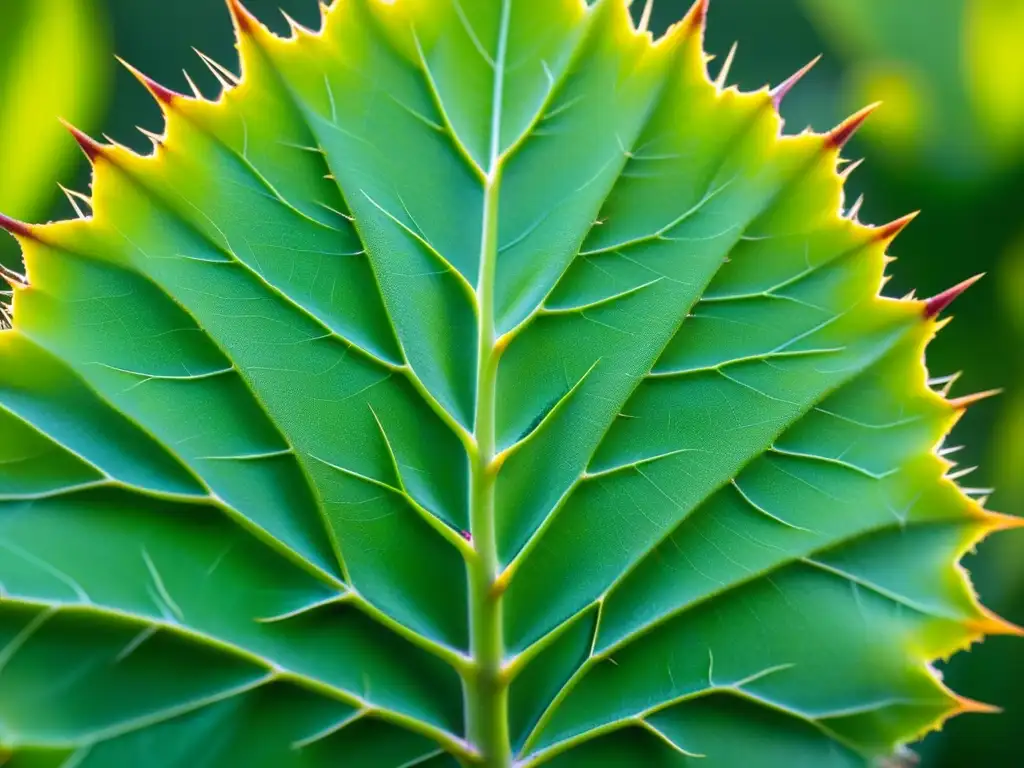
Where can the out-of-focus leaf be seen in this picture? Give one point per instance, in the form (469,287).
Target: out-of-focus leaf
(994,32)
(53,63)
(1008,453)
(949,72)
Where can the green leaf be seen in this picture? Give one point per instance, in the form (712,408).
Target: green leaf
(473,383)
(52,66)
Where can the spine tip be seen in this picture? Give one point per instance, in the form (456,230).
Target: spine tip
(13,278)
(888,231)
(778,93)
(965,705)
(92,148)
(855,208)
(696,17)
(842,133)
(162,94)
(244,21)
(17,228)
(999,521)
(848,170)
(965,402)
(723,74)
(296,28)
(939,302)
(993,624)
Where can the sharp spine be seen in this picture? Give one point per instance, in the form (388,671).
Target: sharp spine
(697,16)
(16,227)
(966,401)
(244,21)
(161,93)
(92,148)
(848,170)
(196,93)
(645,16)
(893,228)
(939,302)
(778,93)
(12,277)
(225,76)
(855,208)
(73,198)
(960,473)
(723,73)
(842,133)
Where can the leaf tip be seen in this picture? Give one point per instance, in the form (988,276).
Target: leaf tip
(939,302)
(778,93)
(842,133)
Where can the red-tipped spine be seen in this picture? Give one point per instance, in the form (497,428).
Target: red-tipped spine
(697,16)
(893,228)
(939,302)
(779,92)
(92,148)
(842,133)
(17,228)
(161,93)
(244,21)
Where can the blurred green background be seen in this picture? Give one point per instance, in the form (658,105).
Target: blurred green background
(949,140)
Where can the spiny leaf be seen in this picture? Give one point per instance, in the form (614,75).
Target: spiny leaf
(474,383)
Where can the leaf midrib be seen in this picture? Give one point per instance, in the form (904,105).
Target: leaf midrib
(487,724)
